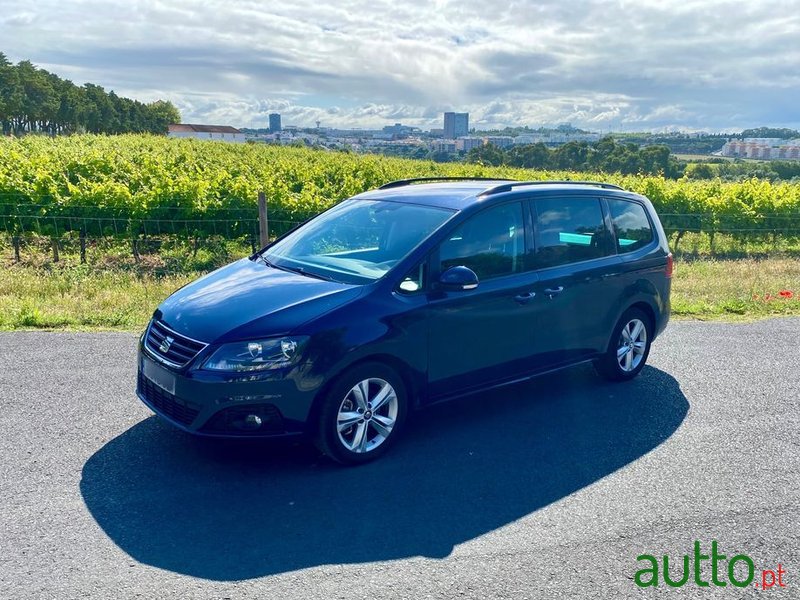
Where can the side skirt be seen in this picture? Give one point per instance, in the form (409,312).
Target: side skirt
(500,384)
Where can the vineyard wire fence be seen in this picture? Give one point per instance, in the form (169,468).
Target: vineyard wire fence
(53,229)
(81,231)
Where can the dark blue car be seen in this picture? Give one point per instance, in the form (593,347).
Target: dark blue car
(414,293)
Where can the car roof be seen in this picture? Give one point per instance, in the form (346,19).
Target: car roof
(458,195)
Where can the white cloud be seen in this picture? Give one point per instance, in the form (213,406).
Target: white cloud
(717,64)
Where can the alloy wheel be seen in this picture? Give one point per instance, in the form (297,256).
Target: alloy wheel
(367,415)
(632,345)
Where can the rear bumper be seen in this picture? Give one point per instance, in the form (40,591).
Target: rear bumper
(214,405)
(664,321)
(666,310)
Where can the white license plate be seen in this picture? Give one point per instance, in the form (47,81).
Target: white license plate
(159,376)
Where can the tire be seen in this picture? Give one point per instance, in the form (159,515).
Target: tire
(625,358)
(353,432)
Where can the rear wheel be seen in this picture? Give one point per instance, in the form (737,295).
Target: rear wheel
(629,347)
(361,414)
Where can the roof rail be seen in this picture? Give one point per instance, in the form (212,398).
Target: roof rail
(507,187)
(402,182)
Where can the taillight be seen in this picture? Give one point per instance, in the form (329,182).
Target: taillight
(670,265)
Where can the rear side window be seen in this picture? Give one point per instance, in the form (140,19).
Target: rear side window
(492,243)
(631,225)
(569,230)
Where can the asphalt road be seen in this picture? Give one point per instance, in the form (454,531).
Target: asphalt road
(543,490)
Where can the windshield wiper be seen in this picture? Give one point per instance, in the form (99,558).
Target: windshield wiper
(302,271)
(273,265)
(297,270)
(265,261)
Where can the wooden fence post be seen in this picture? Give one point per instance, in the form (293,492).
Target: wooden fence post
(83,245)
(263,222)
(15,241)
(54,243)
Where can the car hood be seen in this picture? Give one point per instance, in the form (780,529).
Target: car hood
(248,299)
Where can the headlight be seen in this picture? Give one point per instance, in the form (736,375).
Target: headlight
(257,355)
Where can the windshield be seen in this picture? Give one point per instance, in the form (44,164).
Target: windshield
(357,241)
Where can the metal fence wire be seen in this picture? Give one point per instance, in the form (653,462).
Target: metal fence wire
(49,227)
(56,229)
(244,224)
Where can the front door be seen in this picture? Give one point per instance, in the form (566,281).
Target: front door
(487,334)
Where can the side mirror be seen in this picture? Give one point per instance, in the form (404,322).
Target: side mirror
(458,279)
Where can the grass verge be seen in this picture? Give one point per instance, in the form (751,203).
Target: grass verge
(81,299)
(84,298)
(736,289)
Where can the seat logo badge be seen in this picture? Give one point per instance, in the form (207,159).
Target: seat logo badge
(164,347)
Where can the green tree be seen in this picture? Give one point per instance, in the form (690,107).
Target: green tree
(654,160)
(572,155)
(10,94)
(39,101)
(770,132)
(700,171)
(162,113)
(34,100)
(529,156)
(487,154)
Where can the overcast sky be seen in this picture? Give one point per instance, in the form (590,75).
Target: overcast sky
(716,65)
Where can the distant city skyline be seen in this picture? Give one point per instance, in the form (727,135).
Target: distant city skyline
(716,65)
(452,131)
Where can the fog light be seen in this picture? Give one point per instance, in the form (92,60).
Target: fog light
(252,422)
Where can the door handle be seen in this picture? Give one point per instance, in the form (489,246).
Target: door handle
(525,298)
(552,292)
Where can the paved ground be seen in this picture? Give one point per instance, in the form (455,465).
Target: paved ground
(545,490)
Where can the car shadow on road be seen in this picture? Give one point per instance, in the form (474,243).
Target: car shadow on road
(227,511)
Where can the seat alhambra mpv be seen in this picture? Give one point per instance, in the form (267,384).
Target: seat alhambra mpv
(413,293)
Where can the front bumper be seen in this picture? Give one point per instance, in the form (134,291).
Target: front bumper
(222,405)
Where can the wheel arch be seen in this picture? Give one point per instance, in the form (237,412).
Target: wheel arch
(413,382)
(642,304)
(646,308)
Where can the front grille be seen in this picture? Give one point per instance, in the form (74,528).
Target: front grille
(179,348)
(166,403)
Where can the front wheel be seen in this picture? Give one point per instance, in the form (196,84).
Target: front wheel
(361,414)
(629,347)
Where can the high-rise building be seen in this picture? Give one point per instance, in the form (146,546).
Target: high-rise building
(274,123)
(456,125)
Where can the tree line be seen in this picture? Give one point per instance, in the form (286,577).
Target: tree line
(770,132)
(740,170)
(606,155)
(33,100)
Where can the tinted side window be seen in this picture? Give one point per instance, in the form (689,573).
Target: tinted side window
(631,225)
(492,243)
(569,230)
